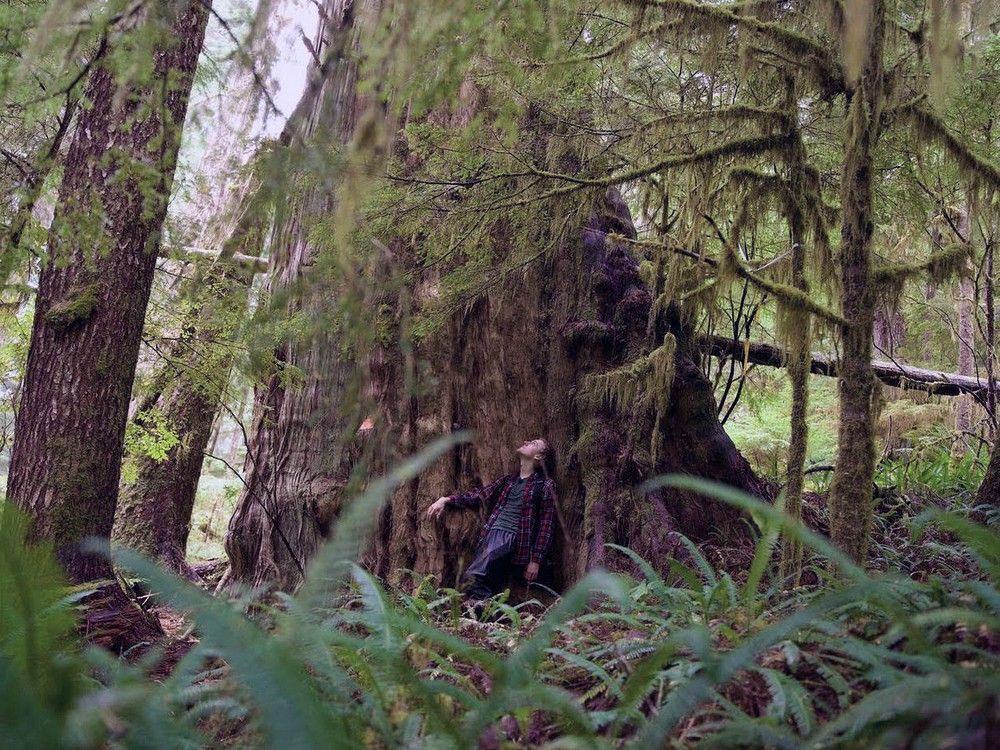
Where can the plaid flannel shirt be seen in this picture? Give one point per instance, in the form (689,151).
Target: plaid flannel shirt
(534,535)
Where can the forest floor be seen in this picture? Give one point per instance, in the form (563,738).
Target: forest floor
(591,656)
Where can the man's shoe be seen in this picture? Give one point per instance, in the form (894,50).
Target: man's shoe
(475,607)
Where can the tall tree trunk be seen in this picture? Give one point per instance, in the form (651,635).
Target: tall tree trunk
(229,216)
(797,324)
(989,490)
(93,291)
(296,462)
(966,337)
(154,510)
(851,491)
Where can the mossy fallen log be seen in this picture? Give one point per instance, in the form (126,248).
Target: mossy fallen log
(896,374)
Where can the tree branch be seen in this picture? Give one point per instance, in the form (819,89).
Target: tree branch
(896,374)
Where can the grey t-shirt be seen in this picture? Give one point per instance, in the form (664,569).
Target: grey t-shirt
(510,517)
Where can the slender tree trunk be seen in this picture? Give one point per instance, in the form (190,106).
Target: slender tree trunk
(797,324)
(851,491)
(889,332)
(154,510)
(989,490)
(93,290)
(298,462)
(990,334)
(966,338)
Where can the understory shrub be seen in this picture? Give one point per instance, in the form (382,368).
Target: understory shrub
(699,657)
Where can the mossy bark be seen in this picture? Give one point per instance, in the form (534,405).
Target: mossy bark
(851,491)
(989,490)
(515,365)
(966,334)
(800,357)
(797,324)
(94,287)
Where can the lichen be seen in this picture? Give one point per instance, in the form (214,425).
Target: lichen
(79,305)
(940,266)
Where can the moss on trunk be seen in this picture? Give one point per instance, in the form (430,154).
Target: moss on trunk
(851,491)
(94,286)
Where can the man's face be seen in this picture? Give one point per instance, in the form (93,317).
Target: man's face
(532,448)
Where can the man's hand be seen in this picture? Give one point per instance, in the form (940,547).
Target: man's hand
(437,507)
(531,572)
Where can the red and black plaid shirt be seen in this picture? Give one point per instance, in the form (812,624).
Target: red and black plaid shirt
(534,535)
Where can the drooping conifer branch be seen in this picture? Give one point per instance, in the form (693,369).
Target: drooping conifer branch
(610,51)
(929,127)
(706,17)
(745,147)
(786,294)
(670,248)
(941,265)
(732,113)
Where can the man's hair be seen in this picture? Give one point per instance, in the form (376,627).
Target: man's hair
(548,461)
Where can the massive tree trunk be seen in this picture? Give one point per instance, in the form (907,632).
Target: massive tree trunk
(544,353)
(534,355)
(93,290)
(296,463)
(851,490)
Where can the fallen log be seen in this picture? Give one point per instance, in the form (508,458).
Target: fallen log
(897,374)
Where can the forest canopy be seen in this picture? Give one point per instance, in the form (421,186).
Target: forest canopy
(425,373)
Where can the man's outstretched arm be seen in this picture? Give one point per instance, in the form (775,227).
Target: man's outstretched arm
(470,499)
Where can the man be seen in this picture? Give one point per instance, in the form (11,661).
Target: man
(518,531)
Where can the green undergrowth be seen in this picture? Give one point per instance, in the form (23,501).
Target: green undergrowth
(692,658)
(915,439)
(760,427)
(213,507)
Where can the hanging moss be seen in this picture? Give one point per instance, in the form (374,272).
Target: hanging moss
(740,147)
(929,128)
(939,267)
(785,293)
(814,56)
(640,385)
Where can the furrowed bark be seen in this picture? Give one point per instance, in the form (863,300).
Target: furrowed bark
(93,291)
(514,365)
(299,454)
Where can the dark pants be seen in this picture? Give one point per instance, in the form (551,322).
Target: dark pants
(496,577)
(492,565)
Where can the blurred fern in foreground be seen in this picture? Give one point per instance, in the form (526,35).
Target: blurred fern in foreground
(697,657)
